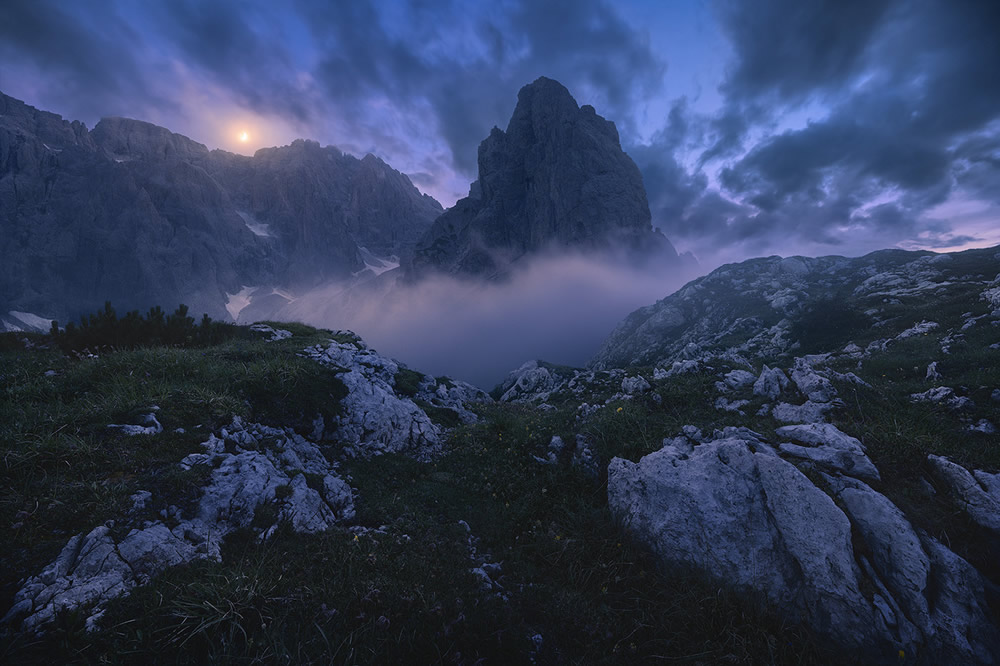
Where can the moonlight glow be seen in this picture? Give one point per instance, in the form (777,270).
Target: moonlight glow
(244,137)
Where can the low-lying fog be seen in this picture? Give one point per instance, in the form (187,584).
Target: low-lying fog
(557,309)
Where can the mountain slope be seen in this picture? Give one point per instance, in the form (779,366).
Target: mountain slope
(135,214)
(771,307)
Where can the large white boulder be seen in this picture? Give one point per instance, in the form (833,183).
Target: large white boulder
(838,556)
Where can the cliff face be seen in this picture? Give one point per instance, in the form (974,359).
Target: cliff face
(133,213)
(557,178)
(322,205)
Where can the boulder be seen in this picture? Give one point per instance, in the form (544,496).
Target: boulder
(736,511)
(812,385)
(932,372)
(731,508)
(635,385)
(771,383)
(808,412)
(737,379)
(943,395)
(530,382)
(826,445)
(978,491)
(375,419)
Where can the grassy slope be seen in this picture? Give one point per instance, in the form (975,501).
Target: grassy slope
(402,593)
(405,592)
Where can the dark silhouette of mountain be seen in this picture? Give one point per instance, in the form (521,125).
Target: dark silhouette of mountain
(556,179)
(133,213)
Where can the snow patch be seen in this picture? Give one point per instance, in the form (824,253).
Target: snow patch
(377,264)
(235,303)
(31,322)
(258,228)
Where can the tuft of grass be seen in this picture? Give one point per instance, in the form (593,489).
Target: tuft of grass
(408,382)
(444,417)
(65,471)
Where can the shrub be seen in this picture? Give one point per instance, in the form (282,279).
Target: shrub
(105,329)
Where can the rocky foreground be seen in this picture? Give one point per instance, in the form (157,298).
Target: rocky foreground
(739,501)
(253,467)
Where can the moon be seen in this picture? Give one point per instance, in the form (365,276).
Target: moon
(244,137)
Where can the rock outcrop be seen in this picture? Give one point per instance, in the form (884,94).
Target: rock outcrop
(977,491)
(387,409)
(379,415)
(252,466)
(775,307)
(556,179)
(826,549)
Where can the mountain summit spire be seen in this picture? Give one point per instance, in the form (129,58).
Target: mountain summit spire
(556,179)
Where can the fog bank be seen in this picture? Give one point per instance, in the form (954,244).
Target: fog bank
(556,309)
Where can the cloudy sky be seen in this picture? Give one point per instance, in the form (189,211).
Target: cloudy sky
(764,127)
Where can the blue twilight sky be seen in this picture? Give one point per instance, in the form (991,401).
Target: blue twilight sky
(761,127)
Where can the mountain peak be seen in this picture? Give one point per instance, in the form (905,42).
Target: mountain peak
(137,139)
(557,178)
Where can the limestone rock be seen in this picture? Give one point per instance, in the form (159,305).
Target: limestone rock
(533,381)
(932,372)
(274,334)
(149,426)
(455,395)
(734,509)
(731,405)
(978,491)
(250,462)
(826,445)
(813,385)
(922,328)
(808,412)
(943,395)
(374,418)
(984,426)
(771,383)
(737,379)
(635,385)
(748,518)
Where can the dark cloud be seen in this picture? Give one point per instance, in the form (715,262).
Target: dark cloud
(903,86)
(584,44)
(670,187)
(793,50)
(84,61)
(220,39)
(902,97)
(787,52)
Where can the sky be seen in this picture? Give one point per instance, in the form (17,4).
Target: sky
(766,127)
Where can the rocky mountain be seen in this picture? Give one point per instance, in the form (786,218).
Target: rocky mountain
(818,432)
(775,308)
(133,213)
(556,179)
